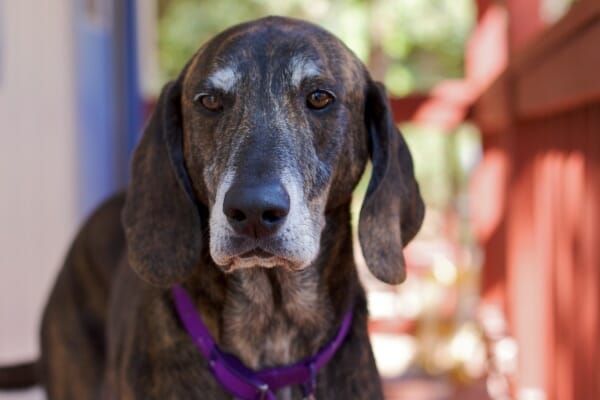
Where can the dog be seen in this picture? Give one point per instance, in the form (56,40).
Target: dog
(239,197)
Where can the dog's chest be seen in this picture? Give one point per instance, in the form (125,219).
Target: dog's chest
(274,320)
(275,343)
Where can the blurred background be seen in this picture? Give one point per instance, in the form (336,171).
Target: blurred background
(499,101)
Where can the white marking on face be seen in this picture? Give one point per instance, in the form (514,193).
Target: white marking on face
(220,230)
(302,68)
(224,78)
(301,232)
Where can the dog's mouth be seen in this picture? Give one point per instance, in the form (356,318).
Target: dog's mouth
(258,257)
(257,252)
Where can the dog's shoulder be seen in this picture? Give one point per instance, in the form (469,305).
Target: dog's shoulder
(102,238)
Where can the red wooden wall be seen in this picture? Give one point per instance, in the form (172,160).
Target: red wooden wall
(540,221)
(536,193)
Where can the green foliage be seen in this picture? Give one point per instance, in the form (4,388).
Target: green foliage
(443,161)
(409,44)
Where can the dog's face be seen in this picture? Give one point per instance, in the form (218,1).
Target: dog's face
(271,112)
(268,128)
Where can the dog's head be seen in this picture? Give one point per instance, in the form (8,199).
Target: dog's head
(267,128)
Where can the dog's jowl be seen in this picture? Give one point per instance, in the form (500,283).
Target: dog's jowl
(226,269)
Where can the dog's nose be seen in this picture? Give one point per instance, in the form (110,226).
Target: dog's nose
(256,211)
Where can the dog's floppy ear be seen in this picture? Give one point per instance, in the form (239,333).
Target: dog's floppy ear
(393,210)
(161,215)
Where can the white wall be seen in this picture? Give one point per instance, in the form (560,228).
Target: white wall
(147,47)
(38,203)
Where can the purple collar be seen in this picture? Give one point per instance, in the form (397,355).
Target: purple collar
(239,380)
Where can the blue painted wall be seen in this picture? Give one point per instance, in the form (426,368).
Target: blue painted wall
(108,100)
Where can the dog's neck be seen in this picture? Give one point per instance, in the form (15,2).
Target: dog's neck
(273,317)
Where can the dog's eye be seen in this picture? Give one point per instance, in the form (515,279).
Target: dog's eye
(209,101)
(319,99)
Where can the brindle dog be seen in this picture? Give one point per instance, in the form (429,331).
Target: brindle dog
(240,192)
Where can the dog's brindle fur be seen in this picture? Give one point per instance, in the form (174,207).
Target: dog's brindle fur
(110,330)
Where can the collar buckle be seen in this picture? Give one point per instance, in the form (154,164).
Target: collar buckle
(309,388)
(263,391)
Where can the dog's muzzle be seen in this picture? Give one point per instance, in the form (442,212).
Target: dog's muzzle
(256,211)
(265,223)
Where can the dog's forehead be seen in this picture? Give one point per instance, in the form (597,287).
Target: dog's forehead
(295,48)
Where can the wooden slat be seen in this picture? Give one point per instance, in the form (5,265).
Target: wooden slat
(494,110)
(557,72)
(405,108)
(525,24)
(567,78)
(445,106)
(588,287)
(581,15)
